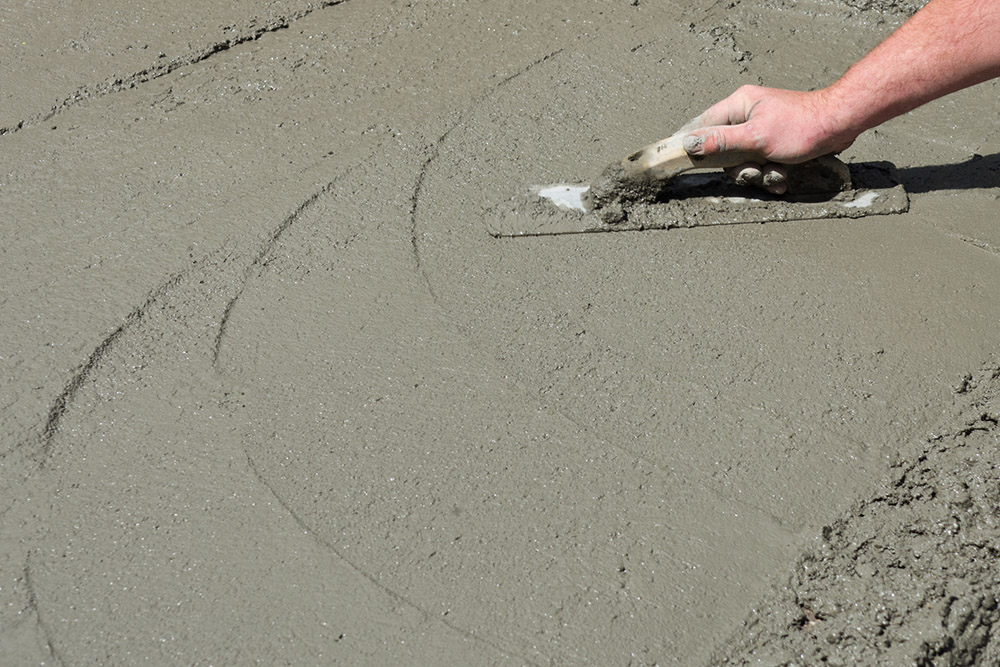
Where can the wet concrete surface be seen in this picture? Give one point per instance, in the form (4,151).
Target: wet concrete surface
(273,394)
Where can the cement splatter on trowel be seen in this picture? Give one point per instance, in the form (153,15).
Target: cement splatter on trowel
(649,190)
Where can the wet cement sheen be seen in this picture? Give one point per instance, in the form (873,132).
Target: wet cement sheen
(272,393)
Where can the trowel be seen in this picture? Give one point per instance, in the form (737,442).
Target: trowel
(650,189)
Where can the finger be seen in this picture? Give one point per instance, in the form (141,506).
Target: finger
(732,110)
(719,139)
(775,179)
(748,173)
(692,124)
(729,111)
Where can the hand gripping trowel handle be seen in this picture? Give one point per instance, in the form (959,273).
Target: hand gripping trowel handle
(666,158)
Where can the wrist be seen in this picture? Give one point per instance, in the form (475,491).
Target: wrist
(839,118)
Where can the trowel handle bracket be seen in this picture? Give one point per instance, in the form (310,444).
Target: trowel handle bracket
(667,158)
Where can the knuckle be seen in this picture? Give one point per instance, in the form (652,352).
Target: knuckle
(716,142)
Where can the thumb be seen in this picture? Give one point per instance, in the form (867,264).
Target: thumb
(719,139)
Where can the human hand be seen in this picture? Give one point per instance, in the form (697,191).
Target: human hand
(782,126)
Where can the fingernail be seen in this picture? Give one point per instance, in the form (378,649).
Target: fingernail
(692,144)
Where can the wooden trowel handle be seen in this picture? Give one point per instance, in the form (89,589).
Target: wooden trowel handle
(667,158)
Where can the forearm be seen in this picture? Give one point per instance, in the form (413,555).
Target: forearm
(946,46)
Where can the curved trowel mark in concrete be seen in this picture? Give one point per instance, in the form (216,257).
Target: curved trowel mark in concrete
(42,442)
(246,31)
(372,579)
(201,286)
(39,446)
(435,148)
(750,360)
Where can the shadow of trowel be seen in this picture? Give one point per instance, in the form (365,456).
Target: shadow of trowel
(979,172)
